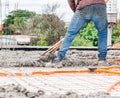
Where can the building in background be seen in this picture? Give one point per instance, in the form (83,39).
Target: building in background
(112,10)
(112,18)
(6,7)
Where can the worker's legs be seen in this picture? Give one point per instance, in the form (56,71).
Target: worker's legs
(76,24)
(100,20)
(79,19)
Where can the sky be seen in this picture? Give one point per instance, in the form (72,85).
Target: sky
(38,5)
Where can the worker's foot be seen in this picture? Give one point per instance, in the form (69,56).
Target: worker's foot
(56,59)
(102,63)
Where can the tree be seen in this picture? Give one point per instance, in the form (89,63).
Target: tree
(13,23)
(48,27)
(51,26)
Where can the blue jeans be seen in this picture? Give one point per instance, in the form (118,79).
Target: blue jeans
(95,13)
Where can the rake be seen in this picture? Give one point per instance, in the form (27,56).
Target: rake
(53,48)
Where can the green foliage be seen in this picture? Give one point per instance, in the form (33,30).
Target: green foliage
(116,34)
(89,32)
(87,36)
(53,27)
(49,29)
(14,20)
(39,41)
(79,41)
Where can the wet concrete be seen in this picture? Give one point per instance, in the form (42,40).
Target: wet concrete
(35,59)
(17,91)
(74,58)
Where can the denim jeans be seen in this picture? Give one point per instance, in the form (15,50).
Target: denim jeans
(95,13)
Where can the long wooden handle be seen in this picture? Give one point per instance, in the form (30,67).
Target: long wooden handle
(54,47)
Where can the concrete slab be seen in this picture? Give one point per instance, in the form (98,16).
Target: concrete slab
(84,83)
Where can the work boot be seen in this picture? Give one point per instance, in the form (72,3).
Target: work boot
(102,63)
(57,59)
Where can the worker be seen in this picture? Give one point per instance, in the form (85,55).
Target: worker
(85,10)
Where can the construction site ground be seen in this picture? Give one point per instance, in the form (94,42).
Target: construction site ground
(57,85)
